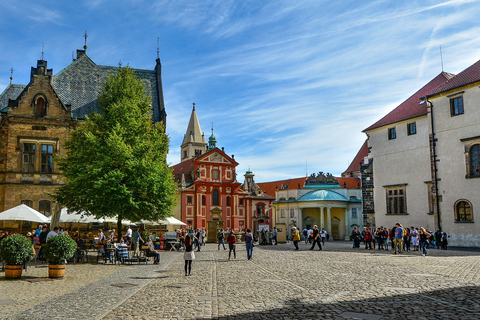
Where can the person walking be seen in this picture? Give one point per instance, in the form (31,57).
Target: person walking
(274,236)
(323,234)
(189,255)
(305,235)
(424,235)
(198,239)
(316,238)
(221,239)
(295,237)
(249,244)
(232,240)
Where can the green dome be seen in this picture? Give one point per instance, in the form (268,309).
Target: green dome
(322,195)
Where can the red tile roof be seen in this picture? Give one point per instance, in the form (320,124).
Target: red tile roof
(355,164)
(270,187)
(411,107)
(349,183)
(467,76)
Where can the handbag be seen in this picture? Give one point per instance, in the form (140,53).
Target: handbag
(189,255)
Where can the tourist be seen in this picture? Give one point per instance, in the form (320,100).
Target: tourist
(39,230)
(264,236)
(379,237)
(424,235)
(249,244)
(355,236)
(52,233)
(323,235)
(398,234)
(189,255)
(152,253)
(198,239)
(305,235)
(232,240)
(101,237)
(111,235)
(406,239)
(129,234)
(444,241)
(414,238)
(274,236)
(368,238)
(295,237)
(122,251)
(316,238)
(221,239)
(136,237)
(204,235)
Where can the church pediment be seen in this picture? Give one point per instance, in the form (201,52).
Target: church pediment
(216,157)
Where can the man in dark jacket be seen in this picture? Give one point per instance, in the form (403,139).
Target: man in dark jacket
(316,238)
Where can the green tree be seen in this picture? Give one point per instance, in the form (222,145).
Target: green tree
(116,160)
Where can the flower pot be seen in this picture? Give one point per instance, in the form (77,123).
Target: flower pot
(56,271)
(13,271)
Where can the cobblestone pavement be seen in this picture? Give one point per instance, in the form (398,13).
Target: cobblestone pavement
(279,283)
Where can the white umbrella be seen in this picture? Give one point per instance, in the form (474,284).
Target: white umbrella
(172,221)
(23,213)
(76,217)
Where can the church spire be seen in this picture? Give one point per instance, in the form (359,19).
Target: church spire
(212,141)
(194,142)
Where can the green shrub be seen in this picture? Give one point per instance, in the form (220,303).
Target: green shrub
(16,249)
(59,248)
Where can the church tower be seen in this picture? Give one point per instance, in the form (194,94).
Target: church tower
(194,143)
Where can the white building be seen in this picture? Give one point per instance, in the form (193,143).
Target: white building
(401,154)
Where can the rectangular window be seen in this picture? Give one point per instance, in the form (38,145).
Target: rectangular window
(392,134)
(354,213)
(44,206)
(411,128)
(456,106)
(292,213)
(189,200)
(28,163)
(241,202)
(396,200)
(215,174)
(282,213)
(47,158)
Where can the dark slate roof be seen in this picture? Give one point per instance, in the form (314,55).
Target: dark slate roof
(411,108)
(467,76)
(79,83)
(11,92)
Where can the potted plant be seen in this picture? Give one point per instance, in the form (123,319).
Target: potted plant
(57,250)
(15,250)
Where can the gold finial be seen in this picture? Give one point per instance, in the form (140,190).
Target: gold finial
(11,75)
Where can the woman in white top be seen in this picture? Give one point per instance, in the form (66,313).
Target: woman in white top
(414,237)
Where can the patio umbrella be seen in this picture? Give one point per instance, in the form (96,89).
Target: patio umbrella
(23,213)
(172,221)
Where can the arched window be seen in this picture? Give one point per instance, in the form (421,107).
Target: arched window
(475,160)
(215,198)
(27,203)
(45,208)
(463,211)
(40,107)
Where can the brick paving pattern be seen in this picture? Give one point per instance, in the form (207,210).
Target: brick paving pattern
(279,283)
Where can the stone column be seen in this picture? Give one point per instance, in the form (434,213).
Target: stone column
(300,220)
(322,218)
(347,225)
(329,222)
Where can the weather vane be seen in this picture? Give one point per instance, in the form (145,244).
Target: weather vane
(85,35)
(43,49)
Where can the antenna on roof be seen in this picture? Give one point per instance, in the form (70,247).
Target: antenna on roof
(11,75)
(43,47)
(306,168)
(441,56)
(158,47)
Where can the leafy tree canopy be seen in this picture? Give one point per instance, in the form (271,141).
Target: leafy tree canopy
(116,159)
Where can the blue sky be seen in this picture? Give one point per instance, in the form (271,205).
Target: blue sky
(289,85)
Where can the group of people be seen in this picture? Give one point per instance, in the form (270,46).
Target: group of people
(399,238)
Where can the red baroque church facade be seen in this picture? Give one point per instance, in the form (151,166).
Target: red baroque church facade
(210,196)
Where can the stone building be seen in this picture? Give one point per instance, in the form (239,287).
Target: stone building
(210,196)
(424,156)
(35,120)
